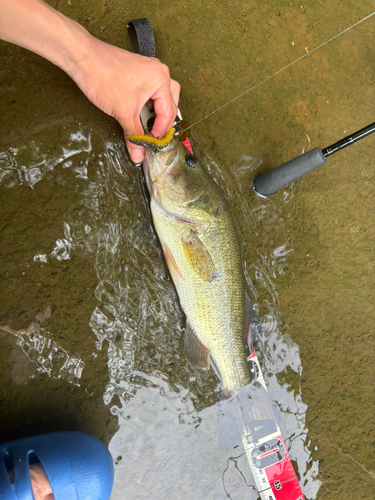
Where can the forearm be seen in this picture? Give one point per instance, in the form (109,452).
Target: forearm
(36,26)
(118,82)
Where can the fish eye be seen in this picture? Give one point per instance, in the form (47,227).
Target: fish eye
(190,161)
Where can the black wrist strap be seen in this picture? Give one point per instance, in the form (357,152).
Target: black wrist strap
(142,37)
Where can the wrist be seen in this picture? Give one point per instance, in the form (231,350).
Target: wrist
(75,46)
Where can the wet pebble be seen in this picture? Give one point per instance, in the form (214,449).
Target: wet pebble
(43,315)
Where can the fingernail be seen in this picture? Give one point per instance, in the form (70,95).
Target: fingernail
(136,156)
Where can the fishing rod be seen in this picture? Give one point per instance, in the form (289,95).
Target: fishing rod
(277,178)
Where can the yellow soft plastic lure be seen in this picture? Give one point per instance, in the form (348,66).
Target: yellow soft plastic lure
(149,141)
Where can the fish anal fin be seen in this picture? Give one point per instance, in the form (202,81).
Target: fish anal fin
(196,352)
(198,257)
(172,265)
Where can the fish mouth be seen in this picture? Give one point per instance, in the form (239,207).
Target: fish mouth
(160,163)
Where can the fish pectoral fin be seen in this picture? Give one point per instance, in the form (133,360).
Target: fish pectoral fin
(196,352)
(198,257)
(171,263)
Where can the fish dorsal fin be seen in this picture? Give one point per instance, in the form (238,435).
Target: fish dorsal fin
(249,313)
(250,319)
(252,324)
(197,353)
(198,257)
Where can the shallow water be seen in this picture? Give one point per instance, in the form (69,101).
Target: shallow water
(92,330)
(166,411)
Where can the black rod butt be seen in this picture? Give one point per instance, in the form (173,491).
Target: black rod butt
(279,177)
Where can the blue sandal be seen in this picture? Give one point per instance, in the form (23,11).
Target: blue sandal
(78,466)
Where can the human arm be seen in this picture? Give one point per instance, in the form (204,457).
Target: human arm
(118,82)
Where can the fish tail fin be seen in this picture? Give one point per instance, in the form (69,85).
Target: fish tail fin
(246,411)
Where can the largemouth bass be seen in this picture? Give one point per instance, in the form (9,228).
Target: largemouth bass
(200,245)
(201,248)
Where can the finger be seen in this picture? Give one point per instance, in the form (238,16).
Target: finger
(130,127)
(136,153)
(175,91)
(166,111)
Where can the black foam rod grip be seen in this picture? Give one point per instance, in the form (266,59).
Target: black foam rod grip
(279,177)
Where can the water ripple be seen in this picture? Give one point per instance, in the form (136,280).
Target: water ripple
(165,409)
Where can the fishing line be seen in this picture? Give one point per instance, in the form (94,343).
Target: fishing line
(281,70)
(234,459)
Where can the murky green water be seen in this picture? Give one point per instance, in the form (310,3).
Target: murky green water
(91,327)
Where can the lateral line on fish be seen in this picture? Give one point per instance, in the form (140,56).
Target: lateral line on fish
(280,71)
(149,141)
